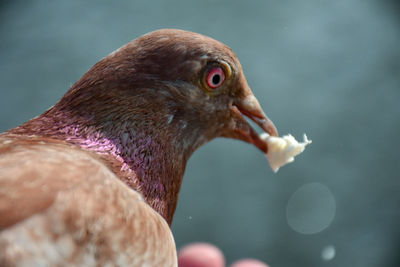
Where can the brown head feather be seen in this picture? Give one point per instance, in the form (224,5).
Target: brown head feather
(145,108)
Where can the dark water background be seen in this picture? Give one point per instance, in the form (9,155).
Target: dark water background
(330,69)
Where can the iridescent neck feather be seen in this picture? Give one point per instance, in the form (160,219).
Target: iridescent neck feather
(147,151)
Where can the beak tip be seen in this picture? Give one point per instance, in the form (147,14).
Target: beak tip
(271,129)
(250,107)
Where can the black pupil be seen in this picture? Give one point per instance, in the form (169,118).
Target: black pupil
(216,79)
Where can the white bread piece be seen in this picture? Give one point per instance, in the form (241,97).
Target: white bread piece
(282,150)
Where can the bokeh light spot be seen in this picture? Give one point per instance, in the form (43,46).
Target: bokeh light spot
(328,253)
(311,209)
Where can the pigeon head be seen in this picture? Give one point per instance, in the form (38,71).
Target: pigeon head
(148,105)
(190,84)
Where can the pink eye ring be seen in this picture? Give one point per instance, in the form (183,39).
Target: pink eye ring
(215,77)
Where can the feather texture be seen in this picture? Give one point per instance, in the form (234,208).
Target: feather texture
(61,205)
(95,179)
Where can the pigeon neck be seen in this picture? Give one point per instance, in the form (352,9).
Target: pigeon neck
(149,156)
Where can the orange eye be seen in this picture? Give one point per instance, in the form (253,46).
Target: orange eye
(215,77)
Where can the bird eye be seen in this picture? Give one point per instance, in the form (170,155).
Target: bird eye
(215,77)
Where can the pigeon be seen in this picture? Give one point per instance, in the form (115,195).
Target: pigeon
(94,180)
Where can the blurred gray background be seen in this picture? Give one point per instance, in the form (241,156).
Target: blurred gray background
(330,69)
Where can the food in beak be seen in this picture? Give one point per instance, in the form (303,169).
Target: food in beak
(282,150)
(278,150)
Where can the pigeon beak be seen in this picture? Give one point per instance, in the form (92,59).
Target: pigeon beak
(250,107)
(240,129)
